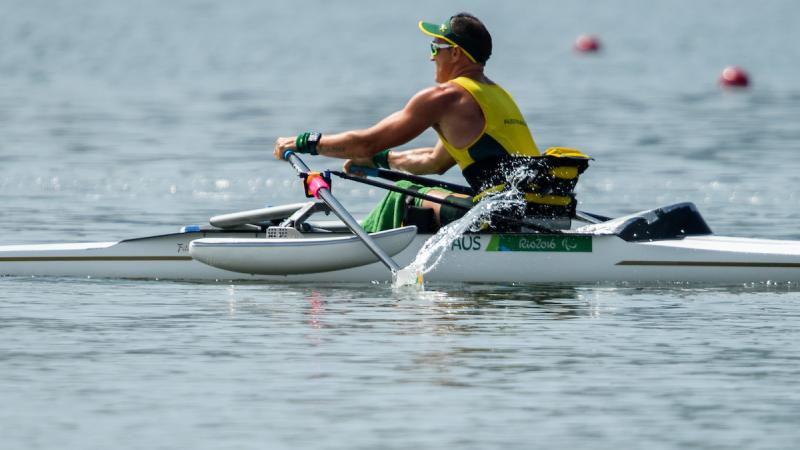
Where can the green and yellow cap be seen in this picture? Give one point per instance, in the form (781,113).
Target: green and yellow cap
(444,31)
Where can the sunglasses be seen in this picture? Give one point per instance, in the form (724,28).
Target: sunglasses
(435,46)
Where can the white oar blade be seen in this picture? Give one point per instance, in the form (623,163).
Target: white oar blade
(408,277)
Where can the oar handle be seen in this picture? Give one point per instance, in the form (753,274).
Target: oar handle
(325,194)
(295,161)
(368,171)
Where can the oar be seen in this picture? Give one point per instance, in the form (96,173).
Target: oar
(441,201)
(400,190)
(319,188)
(398,176)
(457,188)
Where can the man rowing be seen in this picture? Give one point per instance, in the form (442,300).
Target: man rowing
(479,125)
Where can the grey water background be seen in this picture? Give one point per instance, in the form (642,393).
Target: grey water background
(123,119)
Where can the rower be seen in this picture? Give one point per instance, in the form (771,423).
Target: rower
(480,129)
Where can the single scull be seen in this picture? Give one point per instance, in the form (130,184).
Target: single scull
(671,244)
(279,244)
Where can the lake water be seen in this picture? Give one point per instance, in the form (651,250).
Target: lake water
(127,119)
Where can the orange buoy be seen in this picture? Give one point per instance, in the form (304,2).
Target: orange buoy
(587,44)
(734,77)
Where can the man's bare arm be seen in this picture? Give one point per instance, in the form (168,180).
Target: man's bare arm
(422,161)
(423,111)
(419,161)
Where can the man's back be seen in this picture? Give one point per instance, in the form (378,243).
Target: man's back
(464,121)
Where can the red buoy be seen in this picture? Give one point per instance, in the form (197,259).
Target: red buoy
(587,44)
(734,77)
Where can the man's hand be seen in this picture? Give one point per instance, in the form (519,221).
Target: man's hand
(282,144)
(357,162)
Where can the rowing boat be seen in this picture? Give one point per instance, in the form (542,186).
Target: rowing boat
(671,243)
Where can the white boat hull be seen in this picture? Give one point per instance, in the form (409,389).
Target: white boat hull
(520,258)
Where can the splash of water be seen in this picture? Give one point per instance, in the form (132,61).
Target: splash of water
(479,216)
(475,219)
(435,247)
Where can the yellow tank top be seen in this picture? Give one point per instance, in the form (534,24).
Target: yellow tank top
(505,133)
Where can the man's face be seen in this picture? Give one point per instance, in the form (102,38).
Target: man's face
(442,58)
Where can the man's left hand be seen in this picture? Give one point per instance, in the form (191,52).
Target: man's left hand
(367,162)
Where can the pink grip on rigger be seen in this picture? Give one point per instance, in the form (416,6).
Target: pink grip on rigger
(315,183)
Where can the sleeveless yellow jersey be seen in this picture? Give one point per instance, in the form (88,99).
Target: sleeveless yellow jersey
(504,135)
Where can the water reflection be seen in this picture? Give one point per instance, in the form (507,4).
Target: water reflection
(328,313)
(448,301)
(543,301)
(316,308)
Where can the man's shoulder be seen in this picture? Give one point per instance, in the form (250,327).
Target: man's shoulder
(441,93)
(448,87)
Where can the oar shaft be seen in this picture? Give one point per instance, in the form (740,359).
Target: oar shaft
(345,216)
(398,176)
(400,190)
(355,227)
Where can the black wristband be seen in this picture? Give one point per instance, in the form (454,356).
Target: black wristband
(312,141)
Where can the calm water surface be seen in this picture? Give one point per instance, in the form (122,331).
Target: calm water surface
(121,120)
(94,364)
